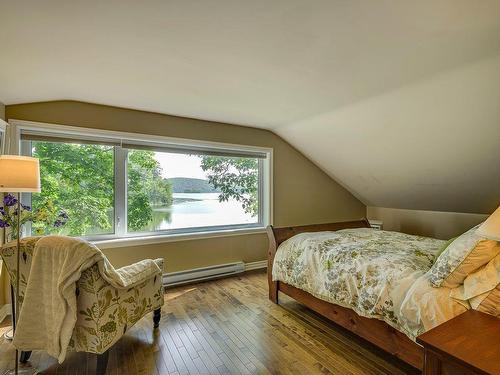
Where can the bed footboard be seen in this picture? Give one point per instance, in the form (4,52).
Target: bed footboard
(278,235)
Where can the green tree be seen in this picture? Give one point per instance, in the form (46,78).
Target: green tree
(237,178)
(79,179)
(146,188)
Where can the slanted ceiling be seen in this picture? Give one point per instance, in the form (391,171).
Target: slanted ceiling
(397,100)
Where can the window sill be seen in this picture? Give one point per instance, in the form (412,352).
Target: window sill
(163,238)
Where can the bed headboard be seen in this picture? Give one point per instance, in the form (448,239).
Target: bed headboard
(279,235)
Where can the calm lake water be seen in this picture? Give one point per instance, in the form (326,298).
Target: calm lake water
(198,210)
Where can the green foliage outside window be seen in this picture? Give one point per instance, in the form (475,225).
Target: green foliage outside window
(236,178)
(79,178)
(146,188)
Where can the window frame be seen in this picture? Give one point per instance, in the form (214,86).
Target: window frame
(3,136)
(121,237)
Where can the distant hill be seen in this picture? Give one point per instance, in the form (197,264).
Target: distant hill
(191,185)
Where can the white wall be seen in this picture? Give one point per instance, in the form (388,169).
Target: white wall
(443,225)
(433,145)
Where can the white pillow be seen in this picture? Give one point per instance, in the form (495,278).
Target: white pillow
(482,288)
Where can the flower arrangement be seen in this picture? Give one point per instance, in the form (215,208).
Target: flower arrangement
(41,218)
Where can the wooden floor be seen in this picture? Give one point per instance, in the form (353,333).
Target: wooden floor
(229,326)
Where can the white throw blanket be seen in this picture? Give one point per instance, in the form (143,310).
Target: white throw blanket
(49,310)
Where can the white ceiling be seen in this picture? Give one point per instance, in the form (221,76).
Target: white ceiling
(285,65)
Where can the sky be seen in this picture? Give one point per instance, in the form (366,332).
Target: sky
(180,165)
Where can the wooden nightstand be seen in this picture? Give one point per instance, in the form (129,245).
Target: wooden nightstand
(466,344)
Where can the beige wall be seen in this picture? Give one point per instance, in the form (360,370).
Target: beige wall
(303,193)
(4,281)
(437,224)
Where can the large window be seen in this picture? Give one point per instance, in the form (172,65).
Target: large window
(126,188)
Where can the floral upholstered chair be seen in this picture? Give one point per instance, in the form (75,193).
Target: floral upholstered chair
(105,313)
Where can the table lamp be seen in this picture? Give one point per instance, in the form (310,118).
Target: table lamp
(491,227)
(19,174)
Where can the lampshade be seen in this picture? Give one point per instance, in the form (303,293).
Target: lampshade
(19,174)
(491,227)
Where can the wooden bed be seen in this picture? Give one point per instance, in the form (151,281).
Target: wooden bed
(373,330)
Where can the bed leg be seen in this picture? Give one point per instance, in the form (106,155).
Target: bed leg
(273,291)
(273,285)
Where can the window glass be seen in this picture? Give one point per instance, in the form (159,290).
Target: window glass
(78,182)
(176,191)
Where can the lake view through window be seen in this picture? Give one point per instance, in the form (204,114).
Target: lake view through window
(198,191)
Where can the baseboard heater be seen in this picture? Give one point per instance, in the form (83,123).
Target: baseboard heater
(201,274)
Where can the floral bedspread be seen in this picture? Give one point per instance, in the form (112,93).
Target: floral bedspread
(369,271)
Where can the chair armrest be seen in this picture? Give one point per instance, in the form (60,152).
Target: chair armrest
(159,263)
(142,270)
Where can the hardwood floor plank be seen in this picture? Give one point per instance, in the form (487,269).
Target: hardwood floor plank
(164,356)
(207,348)
(200,365)
(187,344)
(212,369)
(188,361)
(231,368)
(223,370)
(175,355)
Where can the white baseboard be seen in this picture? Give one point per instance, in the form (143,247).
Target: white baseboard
(5,311)
(202,273)
(211,272)
(256,265)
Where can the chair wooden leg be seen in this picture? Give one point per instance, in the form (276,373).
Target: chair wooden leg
(102,363)
(25,356)
(156,318)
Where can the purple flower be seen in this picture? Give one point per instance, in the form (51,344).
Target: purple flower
(58,223)
(2,211)
(63,215)
(9,200)
(25,207)
(4,224)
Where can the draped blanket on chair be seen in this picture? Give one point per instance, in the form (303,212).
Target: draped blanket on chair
(49,309)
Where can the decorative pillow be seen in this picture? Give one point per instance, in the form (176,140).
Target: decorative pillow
(443,248)
(463,256)
(483,288)
(488,302)
(484,280)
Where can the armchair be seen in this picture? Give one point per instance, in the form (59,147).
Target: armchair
(105,312)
